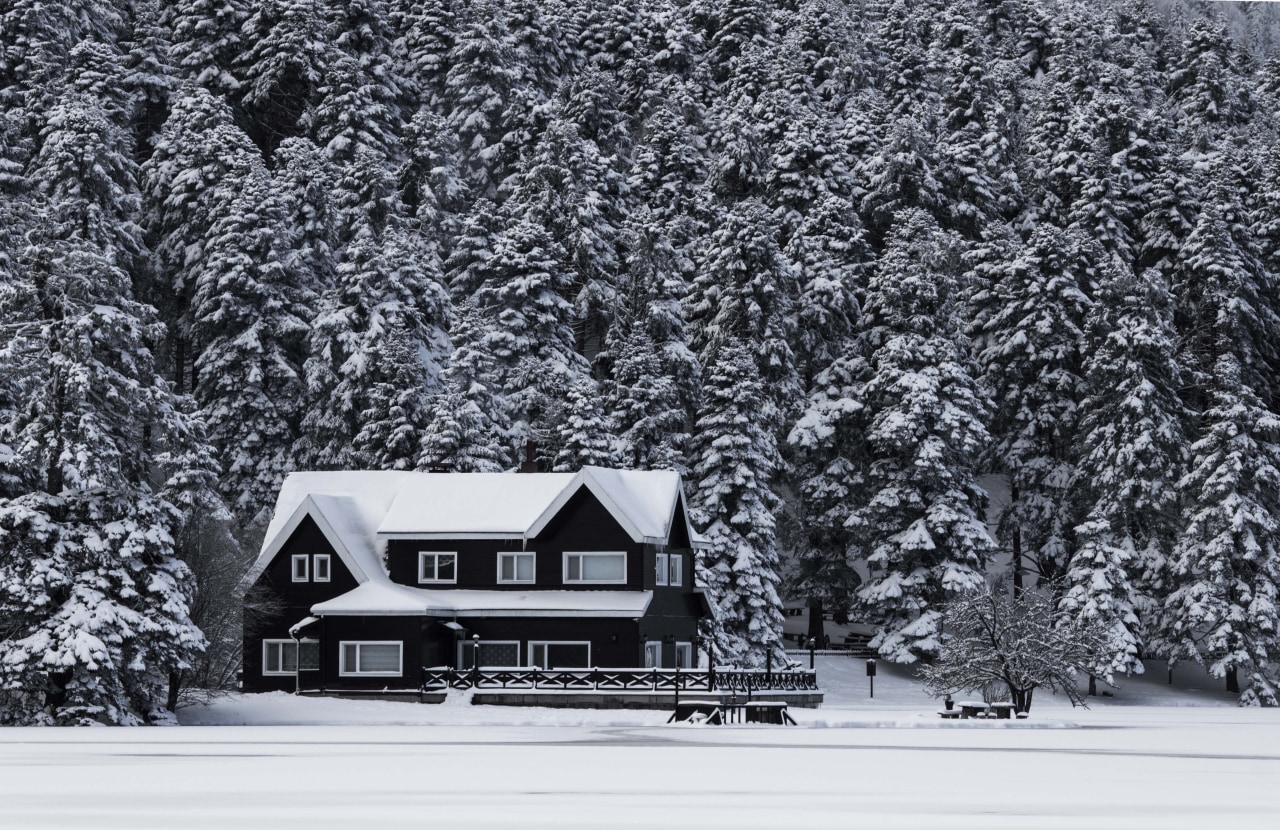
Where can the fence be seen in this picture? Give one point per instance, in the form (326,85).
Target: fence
(677,681)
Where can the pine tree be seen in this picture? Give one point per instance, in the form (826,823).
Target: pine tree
(248,330)
(735,460)
(469,430)
(197,152)
(530,324)
(1132,445)
(745,289)
(381,324)
(586,434)
(478,89)
(645,406)
(281,68)
(926,414)
(1099,592)
(95,608)
(1032,331)
(206,40)
(1226,567)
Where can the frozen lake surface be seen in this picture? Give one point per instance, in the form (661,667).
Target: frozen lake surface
(1191,761)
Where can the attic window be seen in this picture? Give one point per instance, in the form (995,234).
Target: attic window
(600,568)
(322,567)
(301,570)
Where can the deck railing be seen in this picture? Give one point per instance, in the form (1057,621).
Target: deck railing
(679,681)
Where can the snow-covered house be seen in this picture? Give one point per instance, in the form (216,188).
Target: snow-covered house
(365,578)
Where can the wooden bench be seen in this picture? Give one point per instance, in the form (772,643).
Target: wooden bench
(949,714)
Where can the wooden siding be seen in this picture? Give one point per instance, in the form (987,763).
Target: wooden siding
(294,601)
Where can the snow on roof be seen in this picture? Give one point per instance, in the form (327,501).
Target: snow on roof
(388,598)
(358,510)
(471,504)
(348,507)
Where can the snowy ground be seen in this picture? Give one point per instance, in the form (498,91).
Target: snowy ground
(1153,756)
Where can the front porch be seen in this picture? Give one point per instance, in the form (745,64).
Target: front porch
(596,688)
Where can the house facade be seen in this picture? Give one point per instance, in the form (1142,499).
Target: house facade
(367,578)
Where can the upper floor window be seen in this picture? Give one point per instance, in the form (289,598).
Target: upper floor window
(322,568)
(599,568)
(515,567)
(660,569)
(675,569)
(437,567)
(301,567)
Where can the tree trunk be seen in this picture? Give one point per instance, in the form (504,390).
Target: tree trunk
(1093,686)
(175,686)
(815,621)
(1021,699)
(1017,548)
(1233,681)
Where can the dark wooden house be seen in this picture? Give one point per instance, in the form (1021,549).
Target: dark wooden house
(367,578)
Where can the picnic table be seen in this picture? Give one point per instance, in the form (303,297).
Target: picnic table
(697,711)
(979,709)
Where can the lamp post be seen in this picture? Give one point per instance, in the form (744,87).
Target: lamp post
(475,661)
(813,643)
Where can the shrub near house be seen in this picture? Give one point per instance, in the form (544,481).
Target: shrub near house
(375,575)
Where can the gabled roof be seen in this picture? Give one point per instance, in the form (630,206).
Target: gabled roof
(358,511)
(346,506)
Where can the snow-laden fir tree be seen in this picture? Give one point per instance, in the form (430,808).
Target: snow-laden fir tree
(921,517)
(745,289)
(586,435)
(530,326)
(1132,444)
(645,406)
(249,323)
(469,431)
(735,463)
(383,322)
(1222,609)
(1029,324)
(94,610)
(1099,592)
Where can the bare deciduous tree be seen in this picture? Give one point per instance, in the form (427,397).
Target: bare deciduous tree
(1019,640)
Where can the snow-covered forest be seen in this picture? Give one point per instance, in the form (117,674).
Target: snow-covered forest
(833,260)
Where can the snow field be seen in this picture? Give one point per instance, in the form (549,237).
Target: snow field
(887,762)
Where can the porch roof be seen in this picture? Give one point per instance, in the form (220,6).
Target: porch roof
(377,598)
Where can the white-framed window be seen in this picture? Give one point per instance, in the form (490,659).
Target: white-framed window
(675,570)
(321,571)
(659,569)
(599,568)
(496,653)
(653,655)
(437,567)
(515,567)
(283,656)
(301,567)
(370,658)
(684,655)
(560,655)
